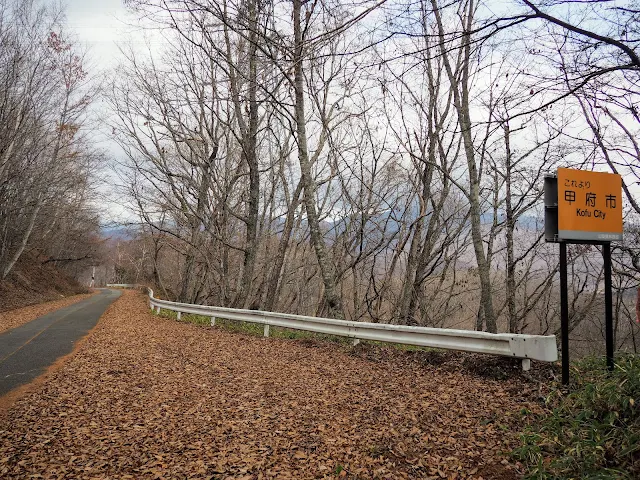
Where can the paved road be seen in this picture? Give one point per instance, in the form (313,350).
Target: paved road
(27,351)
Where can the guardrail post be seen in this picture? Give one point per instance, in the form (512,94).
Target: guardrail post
(179,315)
(266,330)
(213,321)
(526,364)
(355,342)
(158,310)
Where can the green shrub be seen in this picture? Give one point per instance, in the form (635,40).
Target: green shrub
(591,431)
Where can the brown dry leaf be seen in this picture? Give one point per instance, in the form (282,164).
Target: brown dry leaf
(147,397)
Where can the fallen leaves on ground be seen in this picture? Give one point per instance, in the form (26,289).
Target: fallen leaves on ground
(148,397)
(14,318)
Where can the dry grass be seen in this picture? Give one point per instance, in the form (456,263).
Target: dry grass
(148,397)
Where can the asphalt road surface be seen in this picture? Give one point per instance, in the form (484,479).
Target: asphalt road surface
(27,351)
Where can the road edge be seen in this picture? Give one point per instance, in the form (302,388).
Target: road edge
(7,400)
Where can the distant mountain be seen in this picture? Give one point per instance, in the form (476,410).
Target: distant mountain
(118,232)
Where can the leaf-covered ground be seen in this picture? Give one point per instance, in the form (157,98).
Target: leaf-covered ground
(148,397)
(14,318)
(34,280)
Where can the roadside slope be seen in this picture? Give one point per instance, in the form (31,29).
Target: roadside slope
(148,397)
(32,282)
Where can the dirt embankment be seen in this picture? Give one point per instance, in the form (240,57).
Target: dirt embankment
(33,282)
(148,397)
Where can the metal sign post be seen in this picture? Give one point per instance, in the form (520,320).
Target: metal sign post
(583,208)
(608,304)
(564,313)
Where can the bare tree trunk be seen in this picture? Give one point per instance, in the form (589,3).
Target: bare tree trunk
(186,294)
(408,286)
(249,149)
(511,267)
(187,271)
(25,239)
(334,303)
(460,88)
(276,271)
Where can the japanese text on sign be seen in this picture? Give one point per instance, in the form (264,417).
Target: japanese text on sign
(589,205)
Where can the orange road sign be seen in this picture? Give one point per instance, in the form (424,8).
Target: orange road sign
(589,205)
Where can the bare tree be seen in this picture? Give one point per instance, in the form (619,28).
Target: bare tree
(45,161)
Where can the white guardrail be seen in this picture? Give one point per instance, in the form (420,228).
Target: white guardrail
(525,347)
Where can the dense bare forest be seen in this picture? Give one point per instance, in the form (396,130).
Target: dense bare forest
(379,161)
(46,162)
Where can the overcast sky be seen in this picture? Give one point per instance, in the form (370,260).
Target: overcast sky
(98,24)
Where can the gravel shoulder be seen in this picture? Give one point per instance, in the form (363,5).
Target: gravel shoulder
(148,397)
(15,318)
